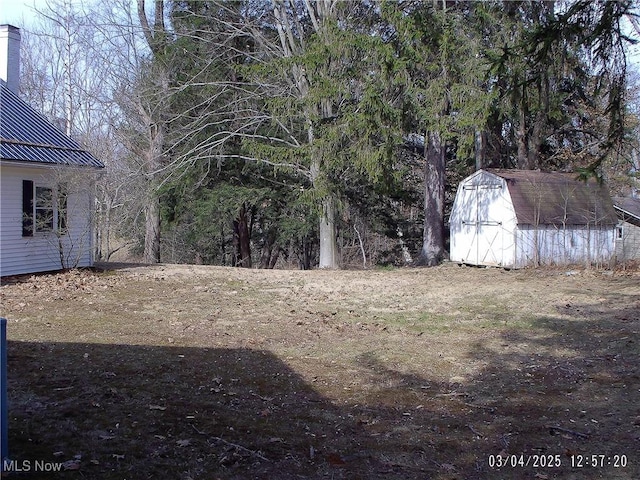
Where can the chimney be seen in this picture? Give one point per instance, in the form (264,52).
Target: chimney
(10,56)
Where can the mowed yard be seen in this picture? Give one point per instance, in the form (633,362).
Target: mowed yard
(194,372)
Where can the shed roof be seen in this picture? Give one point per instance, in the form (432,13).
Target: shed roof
(628,206)
(27,136)
(554,198)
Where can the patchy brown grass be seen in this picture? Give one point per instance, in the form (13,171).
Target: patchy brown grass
(189,372)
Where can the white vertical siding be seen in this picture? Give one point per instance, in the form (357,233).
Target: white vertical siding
(482,222)
(41,252)
(553,245)
(461,233)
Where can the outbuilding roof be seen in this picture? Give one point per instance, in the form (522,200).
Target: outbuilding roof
(555,198)
(27,136)
(629,207)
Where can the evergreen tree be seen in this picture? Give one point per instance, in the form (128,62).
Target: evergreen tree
(445,101)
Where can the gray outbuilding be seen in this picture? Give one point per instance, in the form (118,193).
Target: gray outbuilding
(628,228)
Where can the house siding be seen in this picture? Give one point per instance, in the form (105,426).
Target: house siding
(628,247)
(41,252)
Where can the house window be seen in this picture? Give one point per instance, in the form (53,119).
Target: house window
(619,232)
(44,209)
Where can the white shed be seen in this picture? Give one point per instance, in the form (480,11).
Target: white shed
(46,183)
(521,218)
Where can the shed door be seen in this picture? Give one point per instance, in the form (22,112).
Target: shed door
(483,225)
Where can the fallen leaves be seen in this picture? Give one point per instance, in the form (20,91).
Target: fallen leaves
(421,401)
(60,286)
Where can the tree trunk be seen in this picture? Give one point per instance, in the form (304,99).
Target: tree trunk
(306,253)
(434,179)
(241,229)
(155,36)
(152,230)
(328,231)
(223,246)
(540,125)
(480,150)
(152,208)
(274,258)
(265,254)
(292,42)
(521,135)
(535,142)
(101,221)
(328,243)
(269,250)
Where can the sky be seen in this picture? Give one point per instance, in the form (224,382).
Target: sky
(18,12)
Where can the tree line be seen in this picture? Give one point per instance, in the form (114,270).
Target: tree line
(328,133)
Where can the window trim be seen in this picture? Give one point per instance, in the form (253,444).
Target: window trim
(44,209)
(32,211)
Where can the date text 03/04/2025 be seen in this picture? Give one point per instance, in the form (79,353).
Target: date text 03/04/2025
(554,461)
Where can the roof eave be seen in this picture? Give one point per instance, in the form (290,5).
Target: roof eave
(626,212)
(32,164)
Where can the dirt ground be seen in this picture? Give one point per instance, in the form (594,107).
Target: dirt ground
(195,372)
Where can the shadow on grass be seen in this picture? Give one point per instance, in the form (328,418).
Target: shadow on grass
(570,386)
(555,394)
(565,387)
(163,412)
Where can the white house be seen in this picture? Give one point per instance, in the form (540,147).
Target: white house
(46,182)
(521,218)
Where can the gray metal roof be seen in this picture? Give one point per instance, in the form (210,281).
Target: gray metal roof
(554,198)
(27,136)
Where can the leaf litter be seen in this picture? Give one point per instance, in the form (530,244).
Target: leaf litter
(210,372)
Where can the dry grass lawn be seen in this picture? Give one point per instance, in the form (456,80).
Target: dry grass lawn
(194,372)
